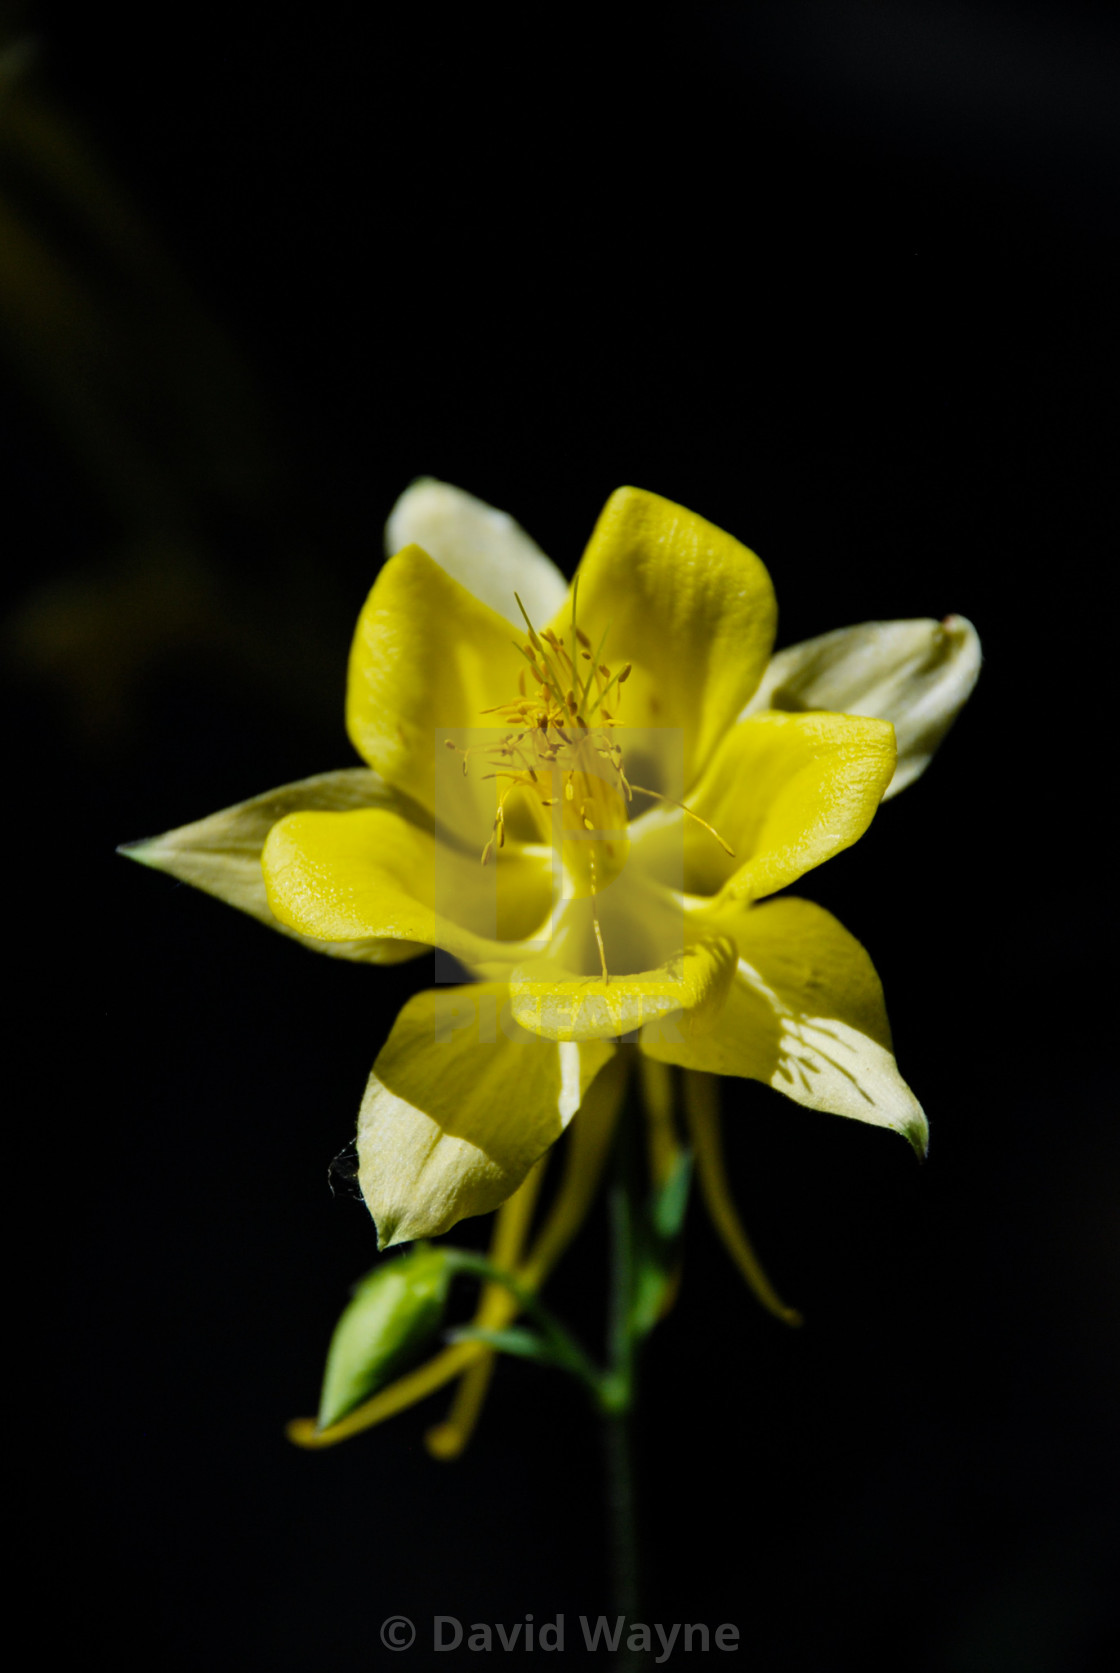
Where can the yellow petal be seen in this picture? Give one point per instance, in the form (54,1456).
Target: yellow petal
(690,608)
(460,1105)
(916,674)
(222,853)
(551,1002)
(805,1015)
(428,658)
(485,550)
(786,792)
(342,876)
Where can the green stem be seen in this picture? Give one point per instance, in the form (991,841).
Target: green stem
(643,1244)
(618,1440)
(618,1385)
(617,1392)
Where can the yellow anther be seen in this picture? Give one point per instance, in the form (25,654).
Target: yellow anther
(625,675)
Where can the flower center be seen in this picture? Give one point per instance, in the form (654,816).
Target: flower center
(561,760)
(560,752)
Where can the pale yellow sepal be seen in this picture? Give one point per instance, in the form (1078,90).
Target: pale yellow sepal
(428,657)
(549,1001)
(805,1015)
(222,854)
(688,606)
(460,1104)
(483,549)
(341,876)
(786,792)
(916,674)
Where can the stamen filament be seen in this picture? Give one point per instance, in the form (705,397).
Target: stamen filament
(642,791)
(577,636)
(538,645)
(593,880)
(615,679)
(593,671)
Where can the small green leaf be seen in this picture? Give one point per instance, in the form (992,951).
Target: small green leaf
(393,1310)
(523,1344)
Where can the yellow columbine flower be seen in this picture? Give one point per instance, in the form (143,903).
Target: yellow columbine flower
(586,796)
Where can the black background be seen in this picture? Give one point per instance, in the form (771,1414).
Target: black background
(842,279)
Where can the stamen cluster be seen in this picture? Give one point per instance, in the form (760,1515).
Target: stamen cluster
(553,740)
(560,749)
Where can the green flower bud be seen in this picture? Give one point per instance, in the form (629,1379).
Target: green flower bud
(393,1310)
